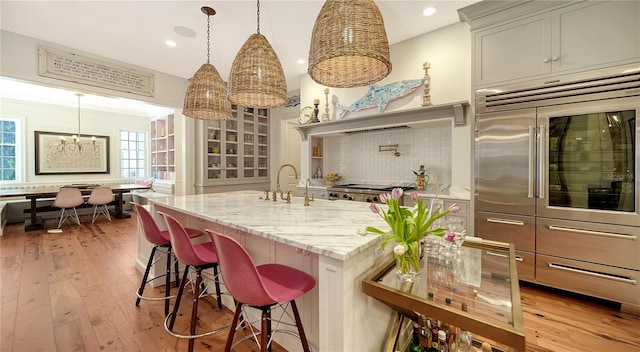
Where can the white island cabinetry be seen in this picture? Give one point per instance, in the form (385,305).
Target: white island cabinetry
(321,240)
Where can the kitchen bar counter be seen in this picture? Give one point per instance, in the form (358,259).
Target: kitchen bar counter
(327,228)
(320,239)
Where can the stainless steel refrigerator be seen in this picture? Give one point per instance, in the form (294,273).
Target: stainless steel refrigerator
(557,174)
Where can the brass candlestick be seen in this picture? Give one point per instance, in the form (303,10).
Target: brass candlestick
(316,111)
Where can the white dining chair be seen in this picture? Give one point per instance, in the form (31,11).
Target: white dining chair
(100,197)
(67,199)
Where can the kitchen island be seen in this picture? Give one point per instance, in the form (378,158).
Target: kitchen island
(321,239)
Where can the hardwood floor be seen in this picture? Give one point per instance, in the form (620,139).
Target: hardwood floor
(75,291)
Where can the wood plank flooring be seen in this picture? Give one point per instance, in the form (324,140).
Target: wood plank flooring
(75,291)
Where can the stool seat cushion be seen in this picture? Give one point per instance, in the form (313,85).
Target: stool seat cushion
(206,253)
(193,233)
(284,283)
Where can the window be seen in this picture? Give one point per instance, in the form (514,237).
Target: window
(133,154)
(10,149)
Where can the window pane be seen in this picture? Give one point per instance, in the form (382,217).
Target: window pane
(133,154)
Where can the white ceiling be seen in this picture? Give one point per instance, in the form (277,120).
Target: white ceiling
(134,32)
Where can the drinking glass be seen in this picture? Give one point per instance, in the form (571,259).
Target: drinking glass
(464,341)
(436,205)
(456,226)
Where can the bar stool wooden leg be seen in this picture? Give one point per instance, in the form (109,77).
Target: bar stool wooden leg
(167,281)
(146,275)
(176,305)
(232,329)
(303,337)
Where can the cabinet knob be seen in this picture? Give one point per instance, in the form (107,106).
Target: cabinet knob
(546,60)
(555,58)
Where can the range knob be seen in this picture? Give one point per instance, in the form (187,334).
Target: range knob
(345,196)
(368,200)
(375,198)
(350,198)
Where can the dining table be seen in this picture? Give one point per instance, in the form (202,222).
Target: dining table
(35,223)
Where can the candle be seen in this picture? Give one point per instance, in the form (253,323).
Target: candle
(316,101)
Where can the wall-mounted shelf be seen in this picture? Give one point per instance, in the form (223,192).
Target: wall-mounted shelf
(458,111)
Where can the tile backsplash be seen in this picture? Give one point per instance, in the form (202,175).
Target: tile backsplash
(357,159)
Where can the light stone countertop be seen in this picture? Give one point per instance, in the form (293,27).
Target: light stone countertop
(328,228)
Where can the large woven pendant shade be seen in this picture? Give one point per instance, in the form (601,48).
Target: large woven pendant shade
(206,96)
(257,78)
(349,45)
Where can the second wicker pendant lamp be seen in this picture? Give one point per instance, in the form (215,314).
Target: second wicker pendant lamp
(257,79)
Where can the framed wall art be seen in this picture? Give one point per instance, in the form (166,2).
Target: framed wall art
(58,153)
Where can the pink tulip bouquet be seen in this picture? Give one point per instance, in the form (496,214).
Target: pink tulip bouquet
(408,227)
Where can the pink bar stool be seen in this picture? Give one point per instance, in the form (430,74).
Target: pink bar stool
(160,240)
(200,257)
(261,287)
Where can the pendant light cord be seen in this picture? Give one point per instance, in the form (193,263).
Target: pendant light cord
(258,5)
(208,35)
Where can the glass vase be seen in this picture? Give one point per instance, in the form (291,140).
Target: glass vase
(408,263)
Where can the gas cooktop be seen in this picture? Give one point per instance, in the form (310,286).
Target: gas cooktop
(372,187)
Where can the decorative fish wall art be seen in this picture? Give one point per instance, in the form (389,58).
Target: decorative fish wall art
(380,96)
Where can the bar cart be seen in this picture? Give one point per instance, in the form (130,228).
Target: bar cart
(476,290)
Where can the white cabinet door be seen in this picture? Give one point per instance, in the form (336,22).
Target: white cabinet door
(514,50)
(583,36)
(595,34)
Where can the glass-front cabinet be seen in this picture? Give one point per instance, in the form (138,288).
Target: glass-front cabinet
(237,149)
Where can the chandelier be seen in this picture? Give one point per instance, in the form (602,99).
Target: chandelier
(77,145)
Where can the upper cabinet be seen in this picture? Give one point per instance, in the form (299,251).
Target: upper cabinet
(514,45)
(237,149)
(163,148)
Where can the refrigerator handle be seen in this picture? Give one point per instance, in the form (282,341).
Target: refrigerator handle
(532,165)
(541,161)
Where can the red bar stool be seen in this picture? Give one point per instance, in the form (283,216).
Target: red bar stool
(160,240)
(260,287)
(200,257)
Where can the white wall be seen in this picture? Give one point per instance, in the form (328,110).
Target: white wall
(19,59)
(449,52)
(56,118)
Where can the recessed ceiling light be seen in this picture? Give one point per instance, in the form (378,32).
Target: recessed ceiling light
(170,43)
(429,11)
(301,61)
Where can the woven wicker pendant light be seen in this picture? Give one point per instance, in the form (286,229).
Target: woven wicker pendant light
(206,97)
(257,79)
(349,45)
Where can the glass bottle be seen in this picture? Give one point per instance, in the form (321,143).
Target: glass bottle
(425,332)
(414,345)
(442,341)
